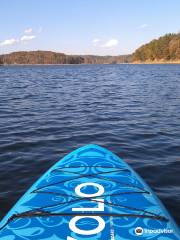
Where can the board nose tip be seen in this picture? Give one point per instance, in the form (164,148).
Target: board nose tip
(92,146)
(92,149)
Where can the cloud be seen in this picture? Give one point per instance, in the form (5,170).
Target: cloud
(27,38)
(96,41)
(143,26)
(28,30)
(111,43)
(24,39)
(9,42)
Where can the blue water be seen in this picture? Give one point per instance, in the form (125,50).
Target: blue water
(48,111)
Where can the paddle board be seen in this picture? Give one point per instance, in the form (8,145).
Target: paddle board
(89,194)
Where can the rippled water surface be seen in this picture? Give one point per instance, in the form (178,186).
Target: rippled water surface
(48,111)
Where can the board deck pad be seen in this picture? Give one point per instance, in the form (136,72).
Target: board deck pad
(89,194)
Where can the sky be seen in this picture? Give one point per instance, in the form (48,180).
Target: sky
(101,27)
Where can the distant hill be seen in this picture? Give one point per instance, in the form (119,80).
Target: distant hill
(164,49)
(90,59)
(48,57)
(39,57)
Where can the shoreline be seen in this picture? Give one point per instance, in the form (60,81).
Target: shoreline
(68,64)
(157,62)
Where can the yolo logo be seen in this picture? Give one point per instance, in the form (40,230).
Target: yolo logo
(100,207)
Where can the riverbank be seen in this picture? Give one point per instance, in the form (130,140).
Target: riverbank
(74,64)
(157,62)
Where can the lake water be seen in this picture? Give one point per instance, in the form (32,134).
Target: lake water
(48,111)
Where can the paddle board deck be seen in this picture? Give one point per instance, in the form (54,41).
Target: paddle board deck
(89,194)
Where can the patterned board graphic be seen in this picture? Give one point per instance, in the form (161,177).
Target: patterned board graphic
(89,194)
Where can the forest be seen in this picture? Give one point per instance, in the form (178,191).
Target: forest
(166,48)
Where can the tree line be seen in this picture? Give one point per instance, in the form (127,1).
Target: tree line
(166,48)
(48,57)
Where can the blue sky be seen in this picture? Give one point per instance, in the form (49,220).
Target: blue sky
(103,27)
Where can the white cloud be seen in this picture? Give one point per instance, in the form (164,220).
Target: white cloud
(143,26)
(27,38)
(96,40)
(7,42)
(111,43)
(28,30)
